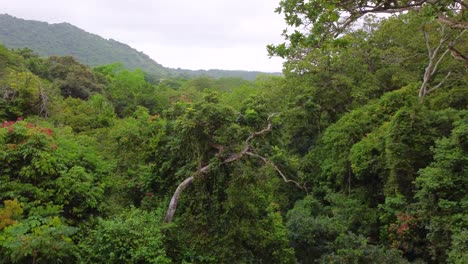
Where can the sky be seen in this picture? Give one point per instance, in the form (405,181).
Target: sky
(188,34)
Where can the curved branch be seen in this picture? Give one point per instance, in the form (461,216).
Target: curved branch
(452,23)
(458,55)
(440,83)
(175,199)
(263,131)
(285,179)
(234,157)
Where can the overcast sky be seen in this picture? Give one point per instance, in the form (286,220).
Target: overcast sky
(191,34)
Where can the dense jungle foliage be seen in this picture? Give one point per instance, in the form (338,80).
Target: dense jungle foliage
(354,156)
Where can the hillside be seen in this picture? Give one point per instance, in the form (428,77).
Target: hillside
(216,73)
(65,39)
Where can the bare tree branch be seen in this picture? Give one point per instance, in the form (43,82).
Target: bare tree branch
(434,60)
(451,23)
(267,161)
(43,100)
(440,83)
(436,65)
(236,156)
(458,55)
(428,45)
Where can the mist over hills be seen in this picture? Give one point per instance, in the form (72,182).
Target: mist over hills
(64,39)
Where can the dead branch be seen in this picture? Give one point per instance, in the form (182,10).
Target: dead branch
(43,100)
(435,58)
(236,156)
(458,55)
(440,83)
(8,94)
(452,23)
(285,179)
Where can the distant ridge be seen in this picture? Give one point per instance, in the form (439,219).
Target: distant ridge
(64,39)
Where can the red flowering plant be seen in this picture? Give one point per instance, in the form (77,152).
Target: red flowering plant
(25,158)
(406,233)
(37,166)
(403,225)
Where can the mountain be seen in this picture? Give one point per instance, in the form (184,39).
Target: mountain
(215,73)
(65,39)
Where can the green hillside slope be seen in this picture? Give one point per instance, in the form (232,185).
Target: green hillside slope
(65,39)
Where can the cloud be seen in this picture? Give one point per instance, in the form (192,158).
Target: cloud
(199,34)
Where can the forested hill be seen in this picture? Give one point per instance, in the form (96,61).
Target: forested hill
(216,73)
(64,39)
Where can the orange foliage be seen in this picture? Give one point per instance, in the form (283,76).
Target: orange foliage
(9,125)
(11,211)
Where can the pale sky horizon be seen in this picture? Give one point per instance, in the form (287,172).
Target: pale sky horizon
(203,34)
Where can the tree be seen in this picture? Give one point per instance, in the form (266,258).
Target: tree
(134,236)
(441,192)
(128,89)
(324,20)
(350,248)
(33,62)
(231,157)
(317,228)
(84,116)
(41,236)
(326,23)
(22,93)
(219,155)
(73,78)
(38,165)
(436,55)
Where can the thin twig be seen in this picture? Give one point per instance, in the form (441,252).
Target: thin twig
(440,83)
(267,161)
